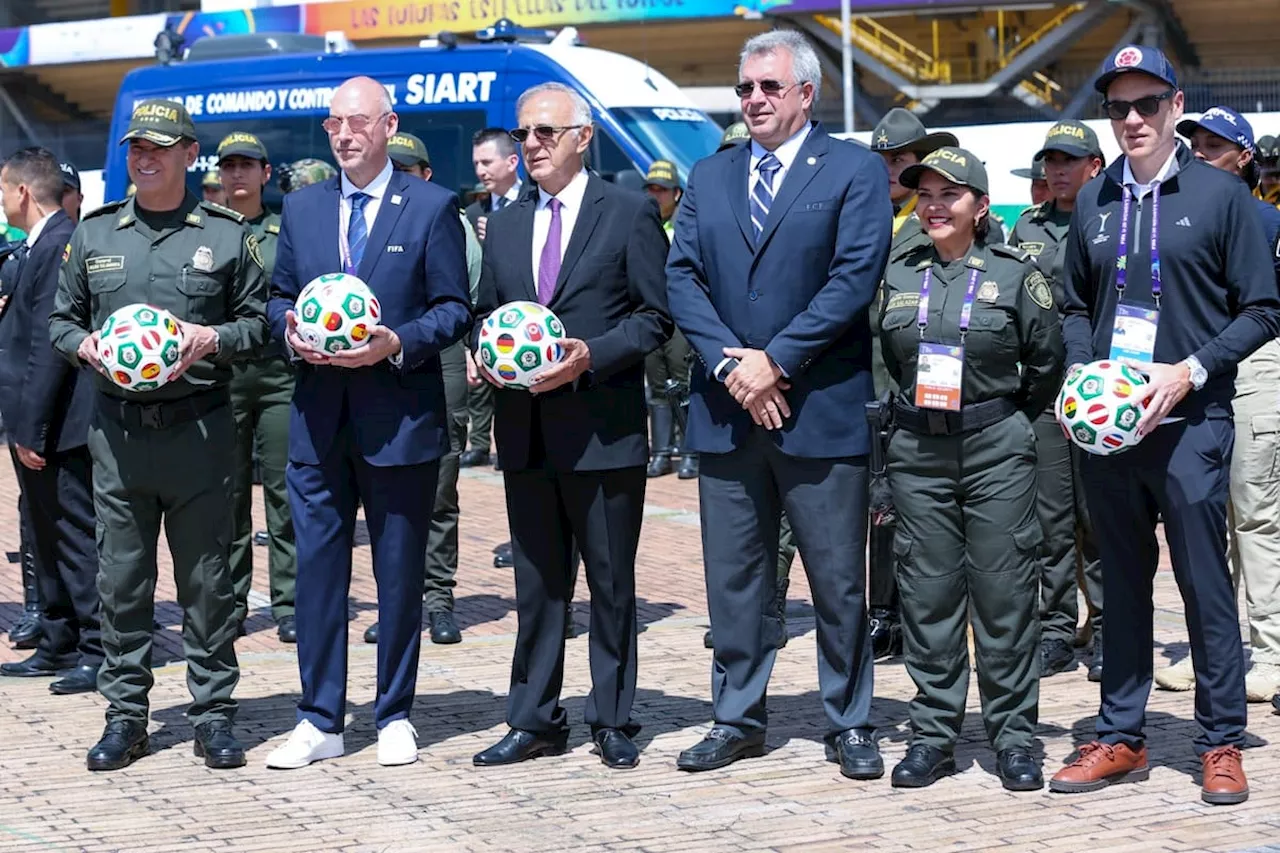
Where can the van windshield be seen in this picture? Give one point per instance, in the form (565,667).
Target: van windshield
(683,136)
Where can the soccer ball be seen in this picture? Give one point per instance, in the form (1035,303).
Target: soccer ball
(336,312)
(519,341)
(139,347)
(1099,407)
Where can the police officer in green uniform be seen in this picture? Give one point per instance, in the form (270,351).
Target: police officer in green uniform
(671,360)
(1267,155)
(164,455)
(409,154)
(1071,157)
(261,390)
(1040,192)
(972,338)
(212,190)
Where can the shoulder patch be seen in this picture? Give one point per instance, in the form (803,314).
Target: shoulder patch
(109,207)
(903,300)
(224,212)
(255,251)
(1032,247)
(1038,289)
(66,253)
(272,229)
(1010,251)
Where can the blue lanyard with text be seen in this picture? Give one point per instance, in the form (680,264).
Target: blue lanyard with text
(1122,259)
(966,311)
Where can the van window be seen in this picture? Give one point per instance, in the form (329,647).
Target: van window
(605,156)
(447,135)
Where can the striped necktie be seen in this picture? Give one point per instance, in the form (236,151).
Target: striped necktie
(357,232)
(762,194)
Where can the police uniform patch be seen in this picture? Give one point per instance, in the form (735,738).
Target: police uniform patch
(255,251)
(989,291)
(202,260)
(903,300)
(103,263)
(66,253)
(1038,290)
(1033,248)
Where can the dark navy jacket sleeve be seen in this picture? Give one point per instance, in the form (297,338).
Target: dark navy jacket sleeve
(1251,287)
(862,249)
(284,289)
(46,372)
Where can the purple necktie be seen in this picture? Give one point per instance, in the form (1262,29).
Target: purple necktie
(549,263)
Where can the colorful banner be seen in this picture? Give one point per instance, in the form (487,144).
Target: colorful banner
(14,49)
(279,19)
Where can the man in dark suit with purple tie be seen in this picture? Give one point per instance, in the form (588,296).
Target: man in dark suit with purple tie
(573,450)
(778,250)
(368,425)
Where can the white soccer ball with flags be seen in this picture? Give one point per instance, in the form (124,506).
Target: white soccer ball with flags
(336,311)
(1099,406)
(140,347)
(519,341)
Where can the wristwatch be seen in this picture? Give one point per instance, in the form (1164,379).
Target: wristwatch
(1199,375)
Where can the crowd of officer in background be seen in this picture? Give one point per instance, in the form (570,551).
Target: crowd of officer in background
(1026,617)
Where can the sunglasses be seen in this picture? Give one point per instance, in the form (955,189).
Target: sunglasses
(770,88)
(1146,107)
(358,123)
(544,133)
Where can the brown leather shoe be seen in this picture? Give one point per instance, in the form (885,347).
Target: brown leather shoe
(1099,765)
(1224,783)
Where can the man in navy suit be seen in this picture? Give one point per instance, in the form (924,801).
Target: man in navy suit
(46,409)
(368,425)
(778,251)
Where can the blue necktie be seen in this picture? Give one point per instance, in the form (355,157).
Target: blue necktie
(762,195)
(357,232)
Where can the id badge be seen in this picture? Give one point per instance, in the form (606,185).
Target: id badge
(1133,334)
(939,372)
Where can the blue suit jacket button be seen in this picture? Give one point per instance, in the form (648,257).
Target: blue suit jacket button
(753,295)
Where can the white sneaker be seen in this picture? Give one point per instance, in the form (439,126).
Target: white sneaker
(397,743)
(306,745)
(1179,677)
(1262,682)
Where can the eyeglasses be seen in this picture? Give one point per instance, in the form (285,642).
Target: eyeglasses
(544,133)
(358,123)
(770,88)
(1146,107)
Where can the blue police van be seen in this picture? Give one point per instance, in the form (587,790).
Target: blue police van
(279,87)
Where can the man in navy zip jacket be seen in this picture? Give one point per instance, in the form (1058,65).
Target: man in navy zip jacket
(1161,230)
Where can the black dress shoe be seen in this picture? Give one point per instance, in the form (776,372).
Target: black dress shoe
(25,634)
(444,630)
(502,556)
(217,746)
(371,634)
(38,665)
(688,467)
(720,748)
(80,679)
(615,749)
(287,629)
(123,742)
(241,630)
(886,633)
(1056,656)
(660,465)
(520,745)
(1095,665)
(922,766)
(857,754)
(707,642)
(1018,770)
(473,458)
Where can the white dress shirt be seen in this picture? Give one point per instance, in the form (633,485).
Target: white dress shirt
(570,204)
(1167,171)
(375,189)
(36,230)
(510,196)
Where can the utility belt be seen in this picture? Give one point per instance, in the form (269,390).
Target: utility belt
(162,415)
(937,422)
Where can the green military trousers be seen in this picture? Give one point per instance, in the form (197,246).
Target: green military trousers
(179,474)
(442,541)
(260,395)
(968,541)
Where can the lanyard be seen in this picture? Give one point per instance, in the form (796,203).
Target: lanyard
(1122,259)
(966,311)
(903,215)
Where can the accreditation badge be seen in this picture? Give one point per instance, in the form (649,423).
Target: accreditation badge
(939,373)
(1133,334)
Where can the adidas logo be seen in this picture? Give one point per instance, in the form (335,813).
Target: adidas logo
(1184,222)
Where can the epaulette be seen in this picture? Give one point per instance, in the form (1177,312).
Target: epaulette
(108,207)
(219,210)
(1010,251)
(1037,211)
(272,228)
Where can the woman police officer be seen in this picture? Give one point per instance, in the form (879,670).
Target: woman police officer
(971,335)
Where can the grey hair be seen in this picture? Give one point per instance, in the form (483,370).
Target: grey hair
(581,109)
(804,60)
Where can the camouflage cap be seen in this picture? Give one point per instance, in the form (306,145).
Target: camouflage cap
(212,180)
(408,150)
(662,173)
(955,164)
(304,173)
(241,144)
(733,134)
(164,123)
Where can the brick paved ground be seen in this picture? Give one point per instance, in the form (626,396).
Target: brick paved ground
(790,799)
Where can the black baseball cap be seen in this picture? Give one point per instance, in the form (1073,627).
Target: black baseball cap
(955,164)
(70,176)
(1131,58)
(1073,138)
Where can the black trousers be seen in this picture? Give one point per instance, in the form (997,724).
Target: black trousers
(1181,472)
(548,511)
(59,503)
